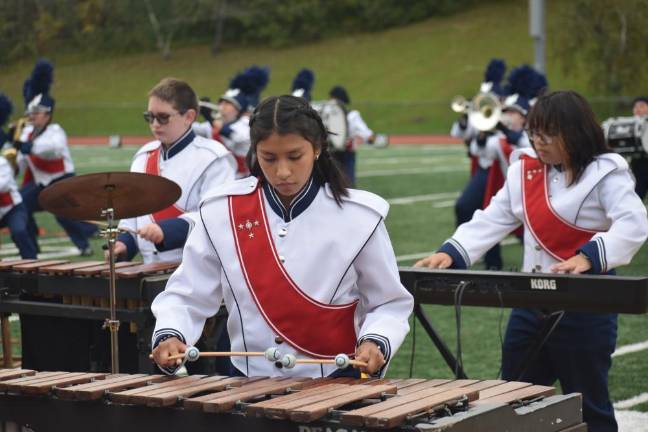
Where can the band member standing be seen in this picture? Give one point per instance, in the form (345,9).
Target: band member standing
(196,164)
(45,156)
(491,149)
(359,133)
(580,214)
(639,164)
(13,213)
(338,292)
(235,107)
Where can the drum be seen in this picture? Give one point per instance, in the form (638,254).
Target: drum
(627,135)
(335,120)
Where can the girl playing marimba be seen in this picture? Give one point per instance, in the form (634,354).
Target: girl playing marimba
(301,262)
(580,214)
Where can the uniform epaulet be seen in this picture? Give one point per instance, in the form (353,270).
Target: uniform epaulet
(366,199)
(617,160)
(243,186)
(210,145)
(148,147)
(518,153)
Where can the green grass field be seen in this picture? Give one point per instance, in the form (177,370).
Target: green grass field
(439,172)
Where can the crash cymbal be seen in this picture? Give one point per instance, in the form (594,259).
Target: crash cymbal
(129,194)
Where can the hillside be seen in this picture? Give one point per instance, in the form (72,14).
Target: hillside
(401,79)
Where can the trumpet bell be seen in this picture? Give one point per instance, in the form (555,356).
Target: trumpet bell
(459,104)
(486,111)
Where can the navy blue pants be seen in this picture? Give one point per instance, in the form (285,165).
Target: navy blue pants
(16,221)
(77,231)
(347,161)
(640,170)
(578,354)
(471,200)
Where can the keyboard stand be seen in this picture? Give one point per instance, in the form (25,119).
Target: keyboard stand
(440,344)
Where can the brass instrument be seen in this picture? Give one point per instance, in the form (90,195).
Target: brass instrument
(10,152)
(484,110)
(216,115)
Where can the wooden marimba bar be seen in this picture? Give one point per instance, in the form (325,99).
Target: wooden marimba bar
(80,290)
(102,402)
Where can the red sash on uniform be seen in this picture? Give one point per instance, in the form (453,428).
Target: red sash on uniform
(5,199)
(153,167)
(496,177)
(51,166)
(555,235)
(314,328)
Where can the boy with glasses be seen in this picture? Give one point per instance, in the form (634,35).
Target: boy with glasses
(195,163)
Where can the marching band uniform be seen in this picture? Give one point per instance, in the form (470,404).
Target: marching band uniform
(357,131)
(46,158)
(13,213)
(236,137)
(251,252)
(196,164)
(601,217)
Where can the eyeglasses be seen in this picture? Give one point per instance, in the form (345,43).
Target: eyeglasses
(535,137)
(162,118)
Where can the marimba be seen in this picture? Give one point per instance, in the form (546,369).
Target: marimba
(58,288)
(47,401)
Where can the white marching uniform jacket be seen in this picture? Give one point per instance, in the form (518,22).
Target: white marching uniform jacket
(9,195)
(49,157)
(335,256)
(236,136)
(357,126)
(197,165)
(203,129)
(493,150)
(603,201)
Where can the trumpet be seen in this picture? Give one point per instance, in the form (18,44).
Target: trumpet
(10,152)
(215,110)
(484,110)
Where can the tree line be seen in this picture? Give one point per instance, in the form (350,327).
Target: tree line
(32,28)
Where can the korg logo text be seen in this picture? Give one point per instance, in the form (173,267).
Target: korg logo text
(543,284)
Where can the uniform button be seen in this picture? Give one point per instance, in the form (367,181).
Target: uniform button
(538,267)
(282,259)
(555,179)
(283,232)
(537,247)
(278,340)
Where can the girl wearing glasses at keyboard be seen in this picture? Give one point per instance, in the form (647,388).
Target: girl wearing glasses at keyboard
(580,213)
(196,164)
(302,263)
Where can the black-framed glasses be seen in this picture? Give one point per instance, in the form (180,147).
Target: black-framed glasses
(162,118)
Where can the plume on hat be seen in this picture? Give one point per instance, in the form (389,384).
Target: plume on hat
(40,80)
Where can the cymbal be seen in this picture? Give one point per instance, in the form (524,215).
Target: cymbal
(129,194)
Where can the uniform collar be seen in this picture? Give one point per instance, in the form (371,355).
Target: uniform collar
(298,205)
(179,145)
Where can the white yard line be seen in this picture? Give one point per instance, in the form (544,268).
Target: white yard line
(633,401)
(630,348)
(411,171)
(407,160)
(419,198)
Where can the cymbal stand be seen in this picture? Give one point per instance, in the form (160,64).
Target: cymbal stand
(112,324)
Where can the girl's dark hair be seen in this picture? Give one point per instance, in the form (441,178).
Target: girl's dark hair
(293,115)
(567,116)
